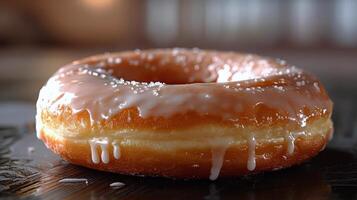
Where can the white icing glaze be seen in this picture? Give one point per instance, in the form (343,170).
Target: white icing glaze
(103,144)
(105,153)
(217,159)
(290,139)
(94,151)
(94,89)
(251,153)
(217,162)
(291,143)
(116,150)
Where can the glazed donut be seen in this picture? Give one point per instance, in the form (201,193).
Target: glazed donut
(183,113)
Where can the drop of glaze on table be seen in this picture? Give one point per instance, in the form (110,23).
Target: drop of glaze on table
(251,153)
(30,150)
(73,180)
(117,185)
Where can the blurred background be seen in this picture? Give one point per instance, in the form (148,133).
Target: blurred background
(37,37)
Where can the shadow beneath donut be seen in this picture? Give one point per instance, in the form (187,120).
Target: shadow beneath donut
(312,180)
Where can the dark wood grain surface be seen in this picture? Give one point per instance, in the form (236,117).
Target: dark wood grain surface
(28,170)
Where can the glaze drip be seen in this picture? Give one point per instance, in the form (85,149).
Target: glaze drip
(217,159)
(104,147)
(291,143)
(116,150)
(105,153)
(290,139)
(251,153)
(94,153)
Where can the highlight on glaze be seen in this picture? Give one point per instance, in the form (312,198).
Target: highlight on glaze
(97,89)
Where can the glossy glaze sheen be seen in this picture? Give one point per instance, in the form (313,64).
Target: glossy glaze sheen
(233,88)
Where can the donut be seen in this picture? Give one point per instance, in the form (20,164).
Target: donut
(183,113)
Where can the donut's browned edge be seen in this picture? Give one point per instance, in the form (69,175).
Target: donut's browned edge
(189,163)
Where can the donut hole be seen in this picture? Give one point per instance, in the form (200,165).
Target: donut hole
(156,71)
(188,67)
(168,75)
